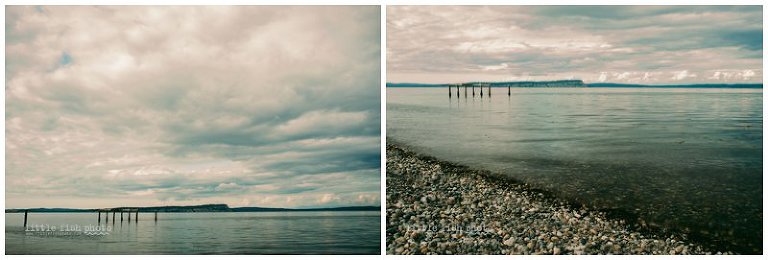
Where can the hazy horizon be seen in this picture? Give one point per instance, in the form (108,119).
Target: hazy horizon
(192,205)
(585,82)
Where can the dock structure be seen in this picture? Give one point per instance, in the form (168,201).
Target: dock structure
(509,85)
(457,91)
(468,86)
(123,210)
(106,212)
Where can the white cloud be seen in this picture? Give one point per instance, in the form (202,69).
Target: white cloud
(441,44)
(622,76)
(683,74)
(161,105)
(646,76)
(326,121)
(496,67)
(603,77)
(748,74)
(715,75)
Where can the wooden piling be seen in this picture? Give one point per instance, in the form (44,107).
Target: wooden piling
(509,90)
(25,218)
(113,217)
(457,91)
(155,216)
(481,89)
(489,90)
(129,216)
(449,91)
(121,216)
(137,215)
(99,216)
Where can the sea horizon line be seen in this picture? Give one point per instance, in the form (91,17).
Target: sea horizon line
(192,208)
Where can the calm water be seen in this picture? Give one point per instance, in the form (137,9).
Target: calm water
(688,160)
(203,233)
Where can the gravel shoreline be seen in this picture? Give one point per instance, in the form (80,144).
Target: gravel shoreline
(436,207)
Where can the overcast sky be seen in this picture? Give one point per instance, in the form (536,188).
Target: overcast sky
(625,44)
(137,106)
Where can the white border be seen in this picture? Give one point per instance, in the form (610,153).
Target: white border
(383,128)
(383,4)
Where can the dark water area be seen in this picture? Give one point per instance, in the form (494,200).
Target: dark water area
(353,232)
(676,160)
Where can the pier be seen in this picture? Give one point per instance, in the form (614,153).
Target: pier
(123,210)
(133,212)
(481,90)
(106,211)
(509,86)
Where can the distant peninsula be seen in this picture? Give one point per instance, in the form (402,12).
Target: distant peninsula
(196,208)
(530,84)
(575,83)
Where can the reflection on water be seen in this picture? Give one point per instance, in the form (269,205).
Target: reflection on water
(202,233)
(682,159)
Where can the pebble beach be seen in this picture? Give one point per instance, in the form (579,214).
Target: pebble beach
(436,207)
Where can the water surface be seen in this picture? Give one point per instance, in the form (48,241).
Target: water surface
(688,160)
(326,232)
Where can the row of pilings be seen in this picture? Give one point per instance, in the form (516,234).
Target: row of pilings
(123,212)
(467,86)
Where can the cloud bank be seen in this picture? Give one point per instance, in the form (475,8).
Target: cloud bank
(250,106)
(625,44)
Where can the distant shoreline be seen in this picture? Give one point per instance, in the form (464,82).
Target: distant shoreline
(586,85)
(195,208)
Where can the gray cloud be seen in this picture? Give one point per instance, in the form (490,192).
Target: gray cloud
(748,39)
(260,106)
(637,44)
